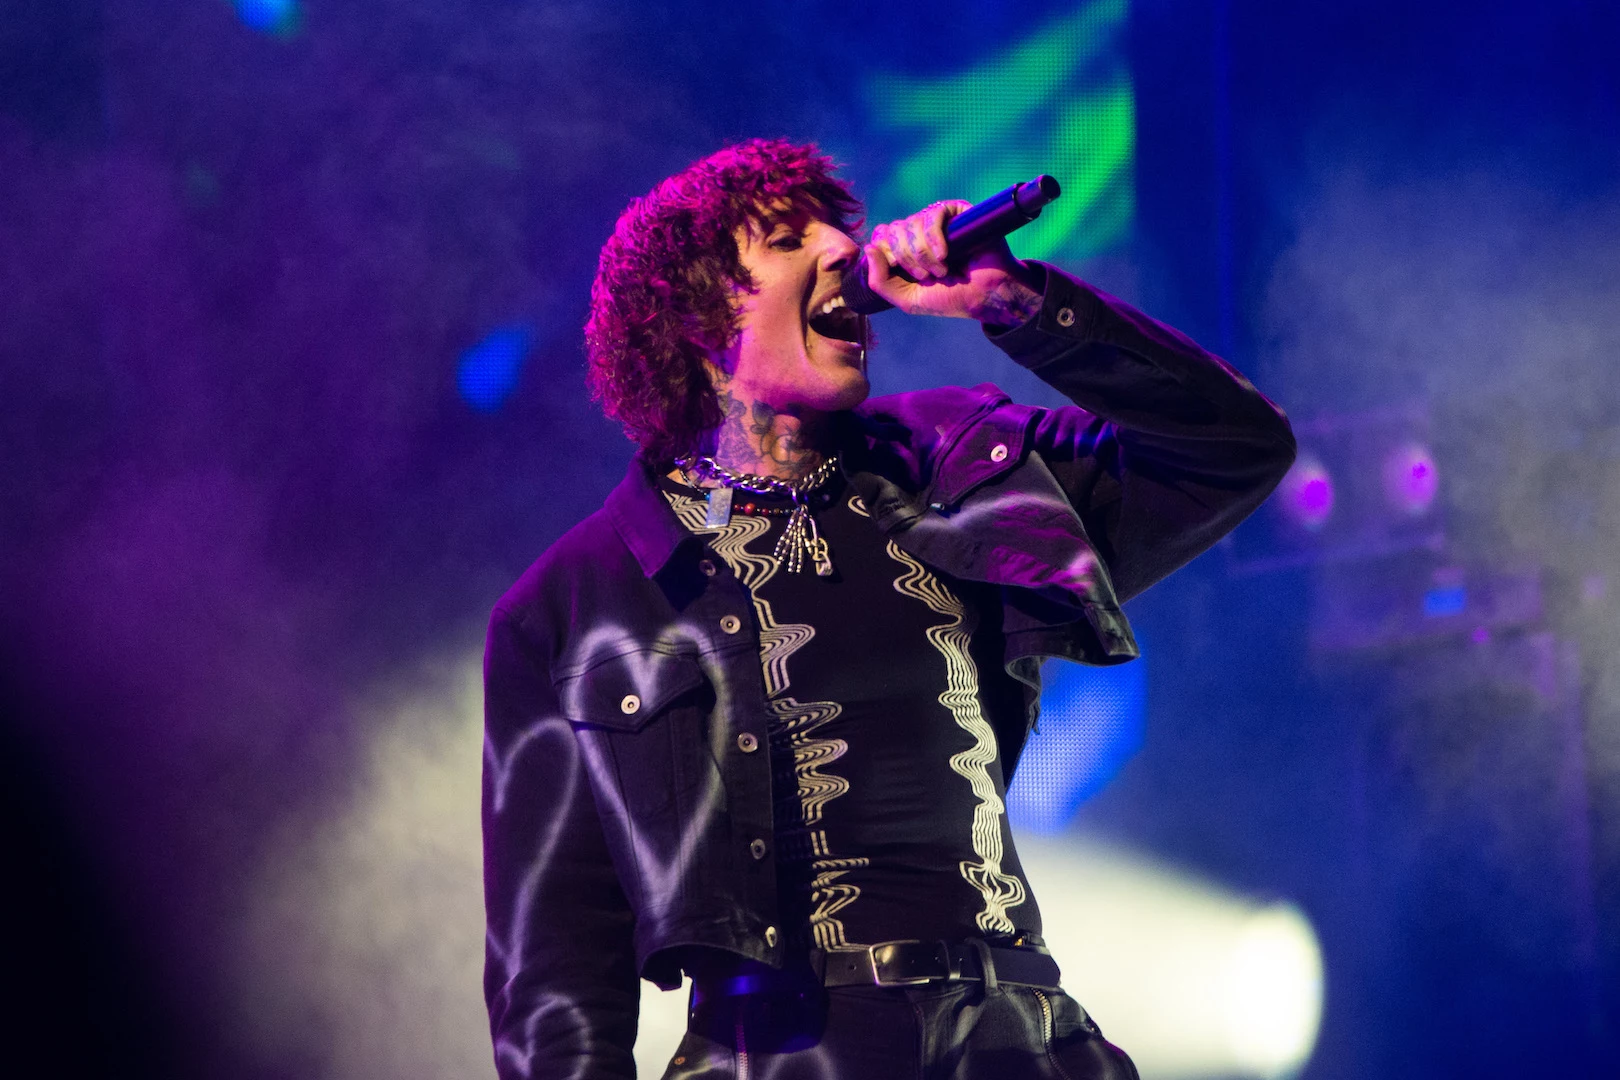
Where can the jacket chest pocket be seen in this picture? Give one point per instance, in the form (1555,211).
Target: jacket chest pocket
(643,715)
(625,692)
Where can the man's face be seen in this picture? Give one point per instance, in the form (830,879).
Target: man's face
(793,352)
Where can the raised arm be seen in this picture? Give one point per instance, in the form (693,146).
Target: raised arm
(1169,447)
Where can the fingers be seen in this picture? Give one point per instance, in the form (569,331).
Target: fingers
(916,244)
(888,279)
(884,278)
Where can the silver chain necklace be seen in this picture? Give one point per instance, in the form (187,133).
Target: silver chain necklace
(800,537)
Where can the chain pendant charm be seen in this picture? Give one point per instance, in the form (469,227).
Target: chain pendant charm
(822,557)
(718,515)
(791,545)
(816,545)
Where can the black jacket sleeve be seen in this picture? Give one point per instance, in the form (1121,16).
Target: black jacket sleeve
(559,975)
(1169,447)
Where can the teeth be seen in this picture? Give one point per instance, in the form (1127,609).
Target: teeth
(830,305)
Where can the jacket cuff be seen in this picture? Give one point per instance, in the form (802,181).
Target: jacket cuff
(1067,316)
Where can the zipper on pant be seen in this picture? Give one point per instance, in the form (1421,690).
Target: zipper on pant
(1046,1019)
(742,1053)
(1046,1033)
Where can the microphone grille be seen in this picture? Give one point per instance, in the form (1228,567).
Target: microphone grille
(858,295)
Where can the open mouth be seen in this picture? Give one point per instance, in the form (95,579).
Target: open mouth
(836,321)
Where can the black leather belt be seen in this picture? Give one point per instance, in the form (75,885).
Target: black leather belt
(915,963)
(889,963)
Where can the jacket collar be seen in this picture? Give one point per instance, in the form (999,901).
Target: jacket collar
(900,436)
(643,519)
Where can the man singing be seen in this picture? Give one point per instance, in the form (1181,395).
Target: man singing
(754,720)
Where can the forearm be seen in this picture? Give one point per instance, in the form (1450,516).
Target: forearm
(1014,301)
(1129,369)
(1169,448)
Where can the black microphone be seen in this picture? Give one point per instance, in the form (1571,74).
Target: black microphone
(991,219)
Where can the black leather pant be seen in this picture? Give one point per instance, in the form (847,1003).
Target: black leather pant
(941,1031)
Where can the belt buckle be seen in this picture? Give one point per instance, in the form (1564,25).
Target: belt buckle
(878,979)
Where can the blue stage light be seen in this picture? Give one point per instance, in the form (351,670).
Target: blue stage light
(1444,601)
(278,17)
(488,372)
(1092,722)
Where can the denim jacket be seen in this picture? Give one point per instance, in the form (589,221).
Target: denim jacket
(625,813)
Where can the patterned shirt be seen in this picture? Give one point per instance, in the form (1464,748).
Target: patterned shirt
(881,681)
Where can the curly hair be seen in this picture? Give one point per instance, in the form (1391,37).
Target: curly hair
(662,298)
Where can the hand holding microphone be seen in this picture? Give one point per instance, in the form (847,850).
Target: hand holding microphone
(949,259)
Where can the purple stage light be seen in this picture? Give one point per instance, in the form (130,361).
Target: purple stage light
(1411,479)
(1306,493)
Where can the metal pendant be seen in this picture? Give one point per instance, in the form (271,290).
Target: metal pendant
(718,515)
(799,538)
(822,557)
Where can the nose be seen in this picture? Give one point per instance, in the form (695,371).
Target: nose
(838,249)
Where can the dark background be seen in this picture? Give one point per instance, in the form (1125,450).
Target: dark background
(243,499)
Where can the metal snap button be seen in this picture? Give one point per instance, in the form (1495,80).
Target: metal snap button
(707,566)
(730,623)
(757,849)
(747,743)
(770,936)
(1065,316)
(999,453)
(630,704)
